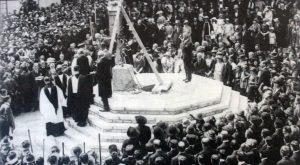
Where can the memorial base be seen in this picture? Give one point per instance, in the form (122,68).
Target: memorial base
(124,78)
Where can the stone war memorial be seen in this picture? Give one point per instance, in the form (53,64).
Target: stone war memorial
(157,96)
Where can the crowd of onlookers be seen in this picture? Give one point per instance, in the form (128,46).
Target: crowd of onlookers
(252,46)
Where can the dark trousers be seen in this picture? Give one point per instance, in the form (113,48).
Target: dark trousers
(105,103)
(4,127)
(188,69)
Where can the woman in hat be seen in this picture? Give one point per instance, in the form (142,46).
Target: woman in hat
(6,116)
(168,63)
(244,80)
(219,68)
(252,85)
(237,78)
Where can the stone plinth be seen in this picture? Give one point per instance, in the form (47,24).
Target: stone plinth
(47,3)
(123,78)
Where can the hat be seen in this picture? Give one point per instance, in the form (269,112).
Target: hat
(242,56)
(132,132)
(53,158)
(177,22)
(172,130)
(58,67)
(28,159)
(84,158)
(205,140)
(285,62)
(157,142)
(173,143)
(12,158)
(191,139)
(50,60)
(181,144)
(112,148)
(214,51)
(167,54)
(26,143)
(141,120)
(219,56)
(76,151)
(159,12)
(186,21)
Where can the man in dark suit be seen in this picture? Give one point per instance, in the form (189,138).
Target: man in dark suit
(285,154)
(186,46)
(227,73)
(265,76)
(158,153)
(80,96)
(265,160)
(27,87)
(207,151)
(296,152)
(200,66)
(38,76)
(83,63)
(182,157)
(104,76)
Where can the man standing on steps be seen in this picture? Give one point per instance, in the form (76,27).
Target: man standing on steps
(80,96)
(103,77)
(51,101)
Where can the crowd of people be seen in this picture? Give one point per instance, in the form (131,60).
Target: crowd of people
(252,46)
(11,155)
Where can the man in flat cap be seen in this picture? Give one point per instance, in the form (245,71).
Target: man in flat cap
(51,101)
(158,153)
(182,158)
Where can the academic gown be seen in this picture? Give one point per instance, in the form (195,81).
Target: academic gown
(79,101)
(52,110)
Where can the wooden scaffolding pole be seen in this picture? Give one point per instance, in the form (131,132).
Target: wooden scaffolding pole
(138,39)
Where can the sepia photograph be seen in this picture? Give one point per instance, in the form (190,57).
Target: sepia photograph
(149,82)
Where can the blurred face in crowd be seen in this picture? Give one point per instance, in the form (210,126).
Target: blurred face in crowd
(35,66)
(225,59)
(52,65)
(61,57)
(17,64)
(43,64)
(155,46)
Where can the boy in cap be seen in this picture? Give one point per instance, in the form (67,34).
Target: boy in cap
(114,156)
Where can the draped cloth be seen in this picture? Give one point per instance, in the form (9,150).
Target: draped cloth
(51,102)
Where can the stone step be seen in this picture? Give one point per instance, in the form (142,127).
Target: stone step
(110,117)
(109,127)
(121,127)
(181,98)
(234,103)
